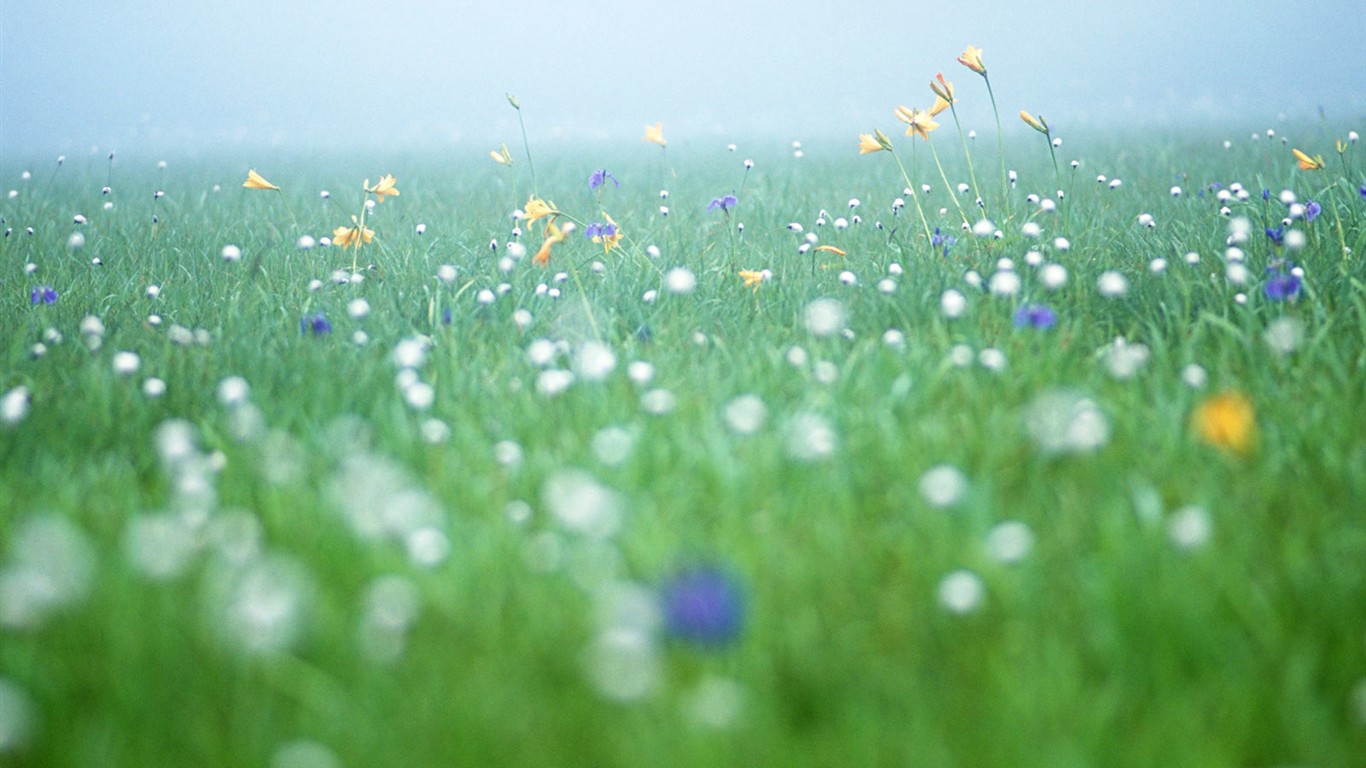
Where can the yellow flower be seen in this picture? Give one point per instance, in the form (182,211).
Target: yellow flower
(830,249)
(1227,422)
(256,181)
(1037,123)
(501,155)
(1341,146)
(1308,163)
(752,278)
(536,208)
(384,187)
(939,106)
(655,133)
(943,89)
(553,235)
(972,59)
(869,143)
(353,236)
(920,122)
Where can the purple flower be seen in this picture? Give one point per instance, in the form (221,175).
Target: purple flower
(600,177)
(598,229)
(938,239)
(1363,191)
(42,293)
(316,324)
(702,605)
(1282,284)
(1035,316)
(1266,194)
(723,203)
(1312,211)
(1277,235)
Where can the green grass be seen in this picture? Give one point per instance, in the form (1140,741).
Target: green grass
(1107,644)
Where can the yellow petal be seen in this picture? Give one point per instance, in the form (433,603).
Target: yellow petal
(256,181)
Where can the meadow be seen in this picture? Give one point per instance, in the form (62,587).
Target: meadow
(784,456)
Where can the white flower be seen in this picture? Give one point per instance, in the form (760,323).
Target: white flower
(14,405)
(943,485)
(680,280)
(1053,276)
(1112,284)
(1004,283)
(1190,527)
(961,591)
(824,317)
(1193,376)
(126,363)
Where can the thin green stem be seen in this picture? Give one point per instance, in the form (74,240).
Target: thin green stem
(952,193)
(1000,146)
(914,195)
(526,147)
(972,172)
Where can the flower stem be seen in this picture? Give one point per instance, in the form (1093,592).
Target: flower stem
(914,195)
(972,171)
(952,193)
(1000,146)
(526,147)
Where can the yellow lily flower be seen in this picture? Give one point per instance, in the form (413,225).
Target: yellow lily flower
(501,155)
(553,235)
(830,249)
(256,181)
(1341,146)
(869,143)
(1308,163)
(942,88)
(1037,123)
(972,59)
(752,278)
(920,122)
(655,133)
(384,187)
(1227,422)
(536,208)
(352,236)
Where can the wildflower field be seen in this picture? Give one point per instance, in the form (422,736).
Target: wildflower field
(978,445)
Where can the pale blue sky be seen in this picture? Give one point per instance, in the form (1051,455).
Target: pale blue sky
(160,76)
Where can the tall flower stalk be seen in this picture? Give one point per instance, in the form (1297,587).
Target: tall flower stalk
(972,59)
(877,141)
(1039,124)
(945,99)
(526,144)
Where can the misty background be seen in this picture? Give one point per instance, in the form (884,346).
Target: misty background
(161,76)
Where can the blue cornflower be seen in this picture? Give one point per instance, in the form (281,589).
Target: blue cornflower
(1311,211)
(44,294)
(938,239)
(723,203)
(1282,284)
(598,229)
(1363,191)
(702,605)
(1039,316)
(316,324)
(1277,235)
(1266,195)
(600,177)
